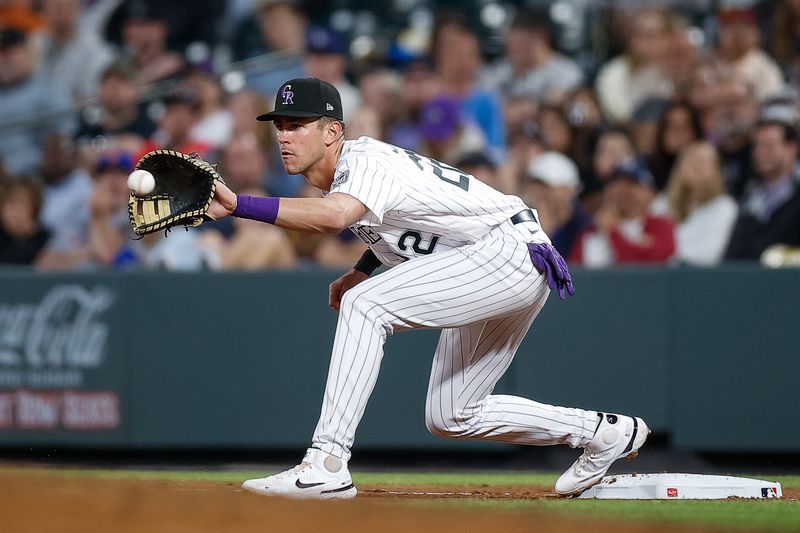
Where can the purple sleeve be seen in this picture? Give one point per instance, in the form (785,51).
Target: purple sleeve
(263,209)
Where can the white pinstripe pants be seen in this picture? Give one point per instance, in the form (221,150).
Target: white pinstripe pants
(484,296)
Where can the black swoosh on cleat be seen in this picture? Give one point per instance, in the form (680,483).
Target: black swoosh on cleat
(342,489)
(629,447)
(301,485)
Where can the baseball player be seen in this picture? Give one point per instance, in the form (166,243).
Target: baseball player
(462,257)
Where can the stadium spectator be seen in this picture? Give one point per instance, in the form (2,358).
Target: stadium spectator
(702,93)
(282,27)
(419,85)
(110,233)
(326,58)
(215,123)
(23,16)
(480,165)
(643,125)
(769,213)
(366,121)
(180,251)
(244,163)
(119,111)
(244,105)
(627,80)
(446,134)
(31,105)
(65,209)
(699,204)
(735,114)
(252,246)
(144,35)
(784,43)
(240,32)
(682,57)
(545,105)
(71,56)
(555,129)
(614,146)
(678,127)
(738,50)
(530,67)
(524,144)
(584,115)
(380,90)
(22,237)
(623,230)
(552,189)
(457,58)
(199,28)
(180,116)
(782,106)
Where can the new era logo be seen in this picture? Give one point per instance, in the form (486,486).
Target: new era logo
(329,107)
(672,492)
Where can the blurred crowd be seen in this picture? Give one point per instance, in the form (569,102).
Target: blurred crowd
(642,132)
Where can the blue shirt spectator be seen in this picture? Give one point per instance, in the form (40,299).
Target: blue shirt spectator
(457,56)
(31,105)
(485,109)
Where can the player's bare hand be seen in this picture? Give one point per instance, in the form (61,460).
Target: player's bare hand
(224,201)
(342,285)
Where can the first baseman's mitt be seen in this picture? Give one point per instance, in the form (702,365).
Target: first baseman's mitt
(185,186)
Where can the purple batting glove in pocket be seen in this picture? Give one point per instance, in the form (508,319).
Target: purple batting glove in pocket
(549,262)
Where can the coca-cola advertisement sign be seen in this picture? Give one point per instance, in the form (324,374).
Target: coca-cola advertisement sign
(50,349)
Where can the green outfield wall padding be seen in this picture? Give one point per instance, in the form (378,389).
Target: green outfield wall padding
(708,357)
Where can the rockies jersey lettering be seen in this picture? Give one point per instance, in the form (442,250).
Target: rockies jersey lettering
(417,205)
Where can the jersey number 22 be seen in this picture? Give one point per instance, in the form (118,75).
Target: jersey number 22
(461,180)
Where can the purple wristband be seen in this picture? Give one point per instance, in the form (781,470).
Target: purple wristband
(264,209)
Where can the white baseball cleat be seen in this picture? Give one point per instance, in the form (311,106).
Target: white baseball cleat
(616,436)
(319,476)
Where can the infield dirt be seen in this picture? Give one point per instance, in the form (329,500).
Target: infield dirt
(57,503)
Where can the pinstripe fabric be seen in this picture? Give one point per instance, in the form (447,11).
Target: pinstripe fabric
(485,296)
(468,363)
(406,193)
(457,264)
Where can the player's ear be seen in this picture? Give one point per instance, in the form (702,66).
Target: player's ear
(333,132)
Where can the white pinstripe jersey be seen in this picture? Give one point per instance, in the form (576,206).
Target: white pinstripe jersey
(417,205)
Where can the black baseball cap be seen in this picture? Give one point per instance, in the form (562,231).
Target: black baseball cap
(306,97)
(11,37)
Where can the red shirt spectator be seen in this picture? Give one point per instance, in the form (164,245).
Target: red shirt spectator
(623,230)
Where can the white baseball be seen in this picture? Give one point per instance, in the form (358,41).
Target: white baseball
(141,182)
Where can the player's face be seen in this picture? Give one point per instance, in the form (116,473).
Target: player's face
(301,143)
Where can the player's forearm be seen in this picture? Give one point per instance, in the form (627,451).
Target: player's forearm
(311,215)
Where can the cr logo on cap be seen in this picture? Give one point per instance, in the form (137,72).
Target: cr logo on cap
(288,95)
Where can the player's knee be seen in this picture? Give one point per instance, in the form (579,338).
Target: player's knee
(448,427)
(355,301)
(359,303)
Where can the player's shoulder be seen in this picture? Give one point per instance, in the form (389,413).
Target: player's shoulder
(365,151)
(364,146)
